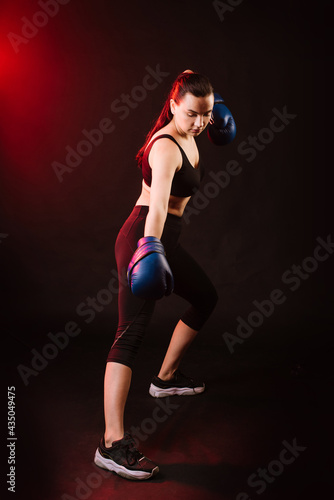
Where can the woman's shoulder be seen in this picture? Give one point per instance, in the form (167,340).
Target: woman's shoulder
(164,133)
(163,140)
(164,145)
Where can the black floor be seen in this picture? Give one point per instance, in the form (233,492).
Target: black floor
(226,443)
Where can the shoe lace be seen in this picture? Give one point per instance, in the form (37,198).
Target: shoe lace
(132,454)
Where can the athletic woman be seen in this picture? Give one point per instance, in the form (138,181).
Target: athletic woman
(148,247)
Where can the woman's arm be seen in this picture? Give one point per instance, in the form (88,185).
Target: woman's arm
(165,158)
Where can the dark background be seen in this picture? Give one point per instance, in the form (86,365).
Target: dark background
(57,244)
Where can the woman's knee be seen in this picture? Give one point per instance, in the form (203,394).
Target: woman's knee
(210,301)
(201,308)
(208,298)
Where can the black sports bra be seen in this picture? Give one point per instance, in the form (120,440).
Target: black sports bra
(186,181)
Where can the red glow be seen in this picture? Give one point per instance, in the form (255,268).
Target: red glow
(29,96)
(30,93)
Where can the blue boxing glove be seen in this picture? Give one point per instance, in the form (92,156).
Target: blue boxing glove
(222,130)
(149,274)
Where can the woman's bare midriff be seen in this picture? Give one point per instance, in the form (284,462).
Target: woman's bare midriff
(176,205)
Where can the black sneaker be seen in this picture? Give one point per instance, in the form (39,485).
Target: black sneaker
(180,385)
(124,459)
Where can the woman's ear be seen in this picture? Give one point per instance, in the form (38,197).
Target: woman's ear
(172,106)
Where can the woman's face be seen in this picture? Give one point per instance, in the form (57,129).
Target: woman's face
(192,114)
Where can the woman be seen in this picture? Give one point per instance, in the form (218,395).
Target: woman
(172,172)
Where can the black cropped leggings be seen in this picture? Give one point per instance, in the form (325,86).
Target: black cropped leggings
(190,282)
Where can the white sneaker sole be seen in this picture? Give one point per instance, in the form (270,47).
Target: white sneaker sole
(157,392)
(109,464)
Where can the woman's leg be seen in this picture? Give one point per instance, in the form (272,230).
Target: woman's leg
(181,339)
(116,387)
(133,317)
(191,283)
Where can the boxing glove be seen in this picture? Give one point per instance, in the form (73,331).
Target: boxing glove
(222,129)
(149,275)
